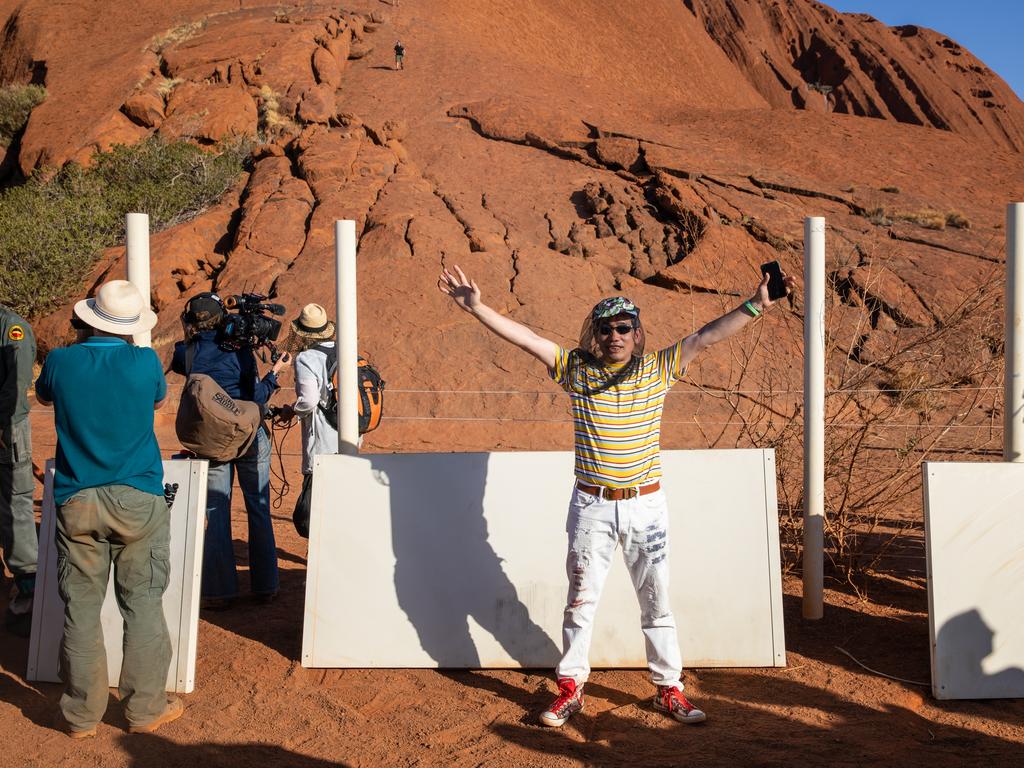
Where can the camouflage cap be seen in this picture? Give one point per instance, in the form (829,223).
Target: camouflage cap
(616,305)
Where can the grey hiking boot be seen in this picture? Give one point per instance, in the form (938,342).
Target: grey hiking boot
(172,712)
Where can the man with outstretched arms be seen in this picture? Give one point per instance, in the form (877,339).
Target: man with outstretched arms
(617,394)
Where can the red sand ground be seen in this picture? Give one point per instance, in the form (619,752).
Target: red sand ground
(254,705)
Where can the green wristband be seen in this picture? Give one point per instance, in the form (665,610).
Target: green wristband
(754,311)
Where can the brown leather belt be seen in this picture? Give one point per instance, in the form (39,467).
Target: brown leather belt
(618,494)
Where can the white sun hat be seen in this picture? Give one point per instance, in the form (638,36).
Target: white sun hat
(117,308)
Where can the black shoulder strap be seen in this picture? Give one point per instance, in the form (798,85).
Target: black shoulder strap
(190,351)
(332,359)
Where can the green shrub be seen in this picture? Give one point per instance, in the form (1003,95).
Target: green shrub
(878,216)
(52,231)
(16,104)
(929,218)
(271,122)
(178,34)
(958,220)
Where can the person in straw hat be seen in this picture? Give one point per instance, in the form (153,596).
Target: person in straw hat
(312,344)
(108,488)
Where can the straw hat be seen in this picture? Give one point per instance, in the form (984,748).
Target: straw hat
(117,308)
(313,324)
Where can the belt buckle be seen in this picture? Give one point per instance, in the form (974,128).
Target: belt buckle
(630,493)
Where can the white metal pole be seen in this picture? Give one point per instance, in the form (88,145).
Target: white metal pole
(814,416)
(137,246)
(1013,390)
(346,345)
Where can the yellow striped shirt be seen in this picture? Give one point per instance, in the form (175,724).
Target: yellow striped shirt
(618,431)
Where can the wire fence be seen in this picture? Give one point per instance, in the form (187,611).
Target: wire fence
(990,424)
(976,430)
(679,391)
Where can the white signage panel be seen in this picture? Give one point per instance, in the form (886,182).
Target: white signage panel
(181,600)
(458,560)
(974,535)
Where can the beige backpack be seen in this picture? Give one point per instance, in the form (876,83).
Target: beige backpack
(210,423)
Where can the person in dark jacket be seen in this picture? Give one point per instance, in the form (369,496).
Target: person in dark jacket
(17,517)
(236,371)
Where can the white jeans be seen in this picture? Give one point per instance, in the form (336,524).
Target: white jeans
(595,528)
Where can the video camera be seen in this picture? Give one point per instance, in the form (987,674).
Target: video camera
(249,327)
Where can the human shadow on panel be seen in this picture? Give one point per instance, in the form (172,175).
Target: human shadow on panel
(446,569)
(961,647)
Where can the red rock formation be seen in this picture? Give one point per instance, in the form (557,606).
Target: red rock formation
(805,54)
(559,151)
(209,112)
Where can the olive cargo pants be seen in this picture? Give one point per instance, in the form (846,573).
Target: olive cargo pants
(17,518)
(129,528)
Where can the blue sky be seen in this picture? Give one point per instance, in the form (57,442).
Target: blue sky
(990,29)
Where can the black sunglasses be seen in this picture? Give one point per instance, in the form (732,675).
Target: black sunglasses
(605,329)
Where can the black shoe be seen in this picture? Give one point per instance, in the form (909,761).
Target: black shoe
(265,598)
(217,603)
(18,620)
(19,624)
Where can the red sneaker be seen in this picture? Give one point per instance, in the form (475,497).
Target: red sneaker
(568,702)
(671,701)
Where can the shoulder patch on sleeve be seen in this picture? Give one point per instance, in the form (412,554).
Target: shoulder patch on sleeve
(15,333)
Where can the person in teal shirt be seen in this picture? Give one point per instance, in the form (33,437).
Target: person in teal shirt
(111,511)
(104,431)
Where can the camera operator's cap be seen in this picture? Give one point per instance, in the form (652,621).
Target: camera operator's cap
(313,324)
(616,305)
(203,306)
(117,308)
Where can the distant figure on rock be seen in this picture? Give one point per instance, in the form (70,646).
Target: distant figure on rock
(617,395)
(399,55)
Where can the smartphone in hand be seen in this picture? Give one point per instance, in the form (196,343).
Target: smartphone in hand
(776,285)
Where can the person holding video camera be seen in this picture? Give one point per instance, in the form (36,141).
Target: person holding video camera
(222,346)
